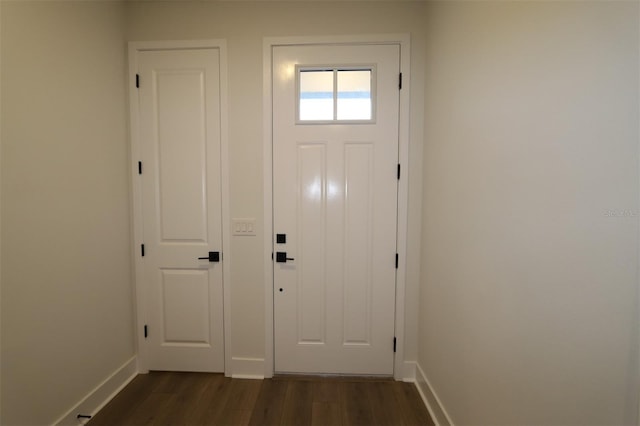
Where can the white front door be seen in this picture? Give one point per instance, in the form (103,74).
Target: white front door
(179,132)
(335,159)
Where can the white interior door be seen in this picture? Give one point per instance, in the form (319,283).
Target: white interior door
(179,110)
(335,157)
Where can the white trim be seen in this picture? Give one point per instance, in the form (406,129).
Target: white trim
(136,213)
(134,48)
(178,44)
(347,39)
(267,158)
(437,411)
(226,201)
(247,368)
(403,40)
(403,199)
(95,400)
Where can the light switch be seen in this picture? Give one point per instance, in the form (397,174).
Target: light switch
(244,226)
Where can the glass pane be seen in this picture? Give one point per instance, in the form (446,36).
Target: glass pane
(316,95)
(354,95)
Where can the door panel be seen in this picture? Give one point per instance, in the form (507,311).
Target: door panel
(185,307)
(311,278)
(335,197)
(358,255)
(181,146)
(179,98)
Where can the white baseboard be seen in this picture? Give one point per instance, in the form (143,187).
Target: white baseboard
(247,368)
(101,395)
(409,371)
(438,413)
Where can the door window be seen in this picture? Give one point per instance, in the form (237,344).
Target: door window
(335,94)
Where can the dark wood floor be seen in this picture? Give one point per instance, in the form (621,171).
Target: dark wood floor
(211,399)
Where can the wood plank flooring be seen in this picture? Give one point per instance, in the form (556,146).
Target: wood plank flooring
(172,399)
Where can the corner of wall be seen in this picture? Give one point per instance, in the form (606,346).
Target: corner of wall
(409,371)
(95,400)
(437,411)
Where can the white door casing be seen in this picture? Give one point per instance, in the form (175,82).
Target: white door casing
(178,135)
(335,198)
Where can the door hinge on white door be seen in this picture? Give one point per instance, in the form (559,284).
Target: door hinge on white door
(138,81)
(146,332)
(400,81)
(394,344)
(139,167)
(142,250)
(398,171)
(396,260)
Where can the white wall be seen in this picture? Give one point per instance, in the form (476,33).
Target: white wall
(243,25)
(66,279)
(0,213)
(66,274)
(529,286)
(529,111)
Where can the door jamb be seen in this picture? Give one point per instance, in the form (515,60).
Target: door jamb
(140,305)
(403,40)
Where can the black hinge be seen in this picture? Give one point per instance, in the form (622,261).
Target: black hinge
(398,171)
(138,80)
(146,333)
(400,81)
(396,260)
(394,344)
(142,249)
(139,167)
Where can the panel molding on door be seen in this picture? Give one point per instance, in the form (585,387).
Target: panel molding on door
(179,154)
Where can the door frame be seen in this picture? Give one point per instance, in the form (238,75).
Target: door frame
(140,297)
(403,40)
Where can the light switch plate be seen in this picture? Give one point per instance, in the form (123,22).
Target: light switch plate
(244,226)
